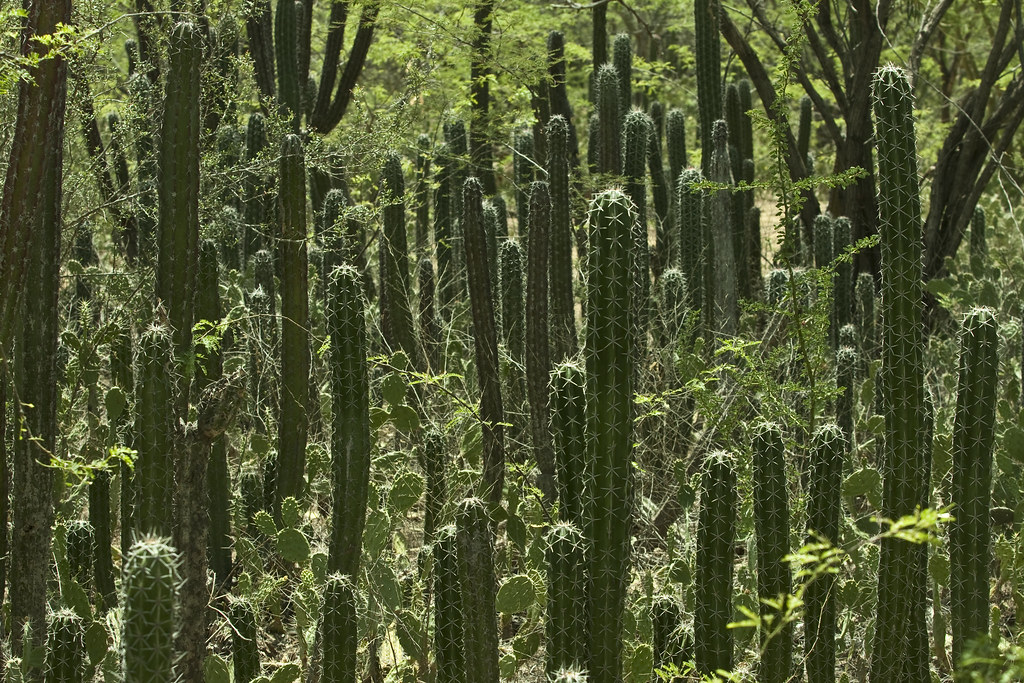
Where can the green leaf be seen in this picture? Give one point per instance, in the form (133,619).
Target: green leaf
(215,669)
(292,545)
(517,594)
(393,389)
(115,401)
(265,523)
(286,674)
(405,418)
(406,491)
(96,642)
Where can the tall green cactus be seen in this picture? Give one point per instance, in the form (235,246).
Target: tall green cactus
(485,342)
(842,290)
(559,96)
(254,190)
(668,642)
(864,292)
(610,373)
(350,416)
(803,135)
(609,138)
(566,625)
(395,308)
(752,231)
(637,132)
(622,59)
(978,242)
(690,225)
(337,637)
(561,302)
(823,240)
(100,543)
(847,361)
(286,46)
(745,139)
(660,191)
(771,526)
(900,647)
(828,448)
(709,76)
(493,224)
(435,464)
(538,355)
(154,429)
(523,174)
(970,554)
(178,192)
(217,477)
(293,425)
(150,621)
(65,650)
(675,140)
(568,429)
(449,623)
(478,581)
(513,326)
(716,532)
(723,245)
(245,653)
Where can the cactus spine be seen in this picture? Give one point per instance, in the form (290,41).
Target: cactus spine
(566,626)
(65,651)
(610,375)
(396,312)
(563,307)
(828,447)
(150,621)
(294,324)
(448,617)
(476,575)
(900,649)
(485,342)
(771,525)
(538,357)
(973,437)
(716,531)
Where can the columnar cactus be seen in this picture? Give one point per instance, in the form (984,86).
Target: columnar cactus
(485,341)
(559,97)
(458,148)
(847,361)
(734,117)
(178,191)
(513,323)
(675,137)
(610,374)
(443,230)
(566,624)
(752,250)
(150,621)
(293,425)
(865,295)
(709,76)
(622,59)
(79,550)
(264,340)
(286,48)
(672,306)
(842,290)
(690,225)
(217,477)
(568,428)
(828,449)
(745,139)
(538,357)
(154,430)
(771,525)
(331,233)
(660,191)
(245,652)
(476,575)
(338,638)
(973,437)
(449,628)
(395,308)
(636,139)
(609,140)
(900,649)
(563,307)
(722,266)
(435,464)
(716,532)
(667,621)
(522,175)
(65,650)
(100,543)
(350,416)
(978,244)
(493,223)
(254,191)
(823,240)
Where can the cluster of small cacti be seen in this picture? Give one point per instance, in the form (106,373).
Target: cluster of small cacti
(301,506)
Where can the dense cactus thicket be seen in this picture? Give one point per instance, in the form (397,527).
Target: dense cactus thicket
(351,369)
